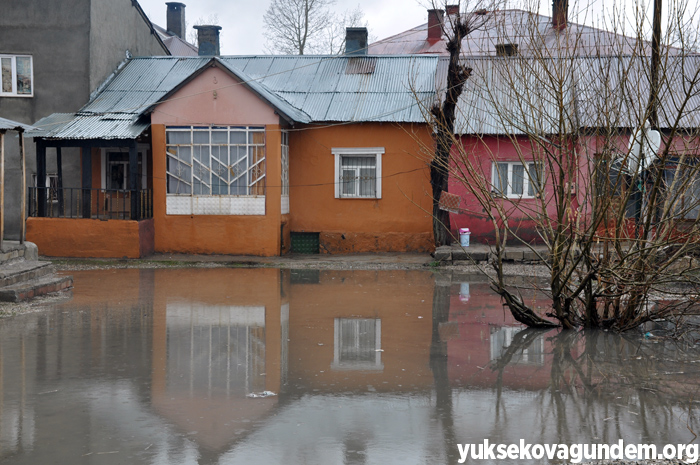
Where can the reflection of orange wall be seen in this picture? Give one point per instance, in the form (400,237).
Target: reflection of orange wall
(217,419)
(100,287)
(397,298)
(399,221)
(60,237)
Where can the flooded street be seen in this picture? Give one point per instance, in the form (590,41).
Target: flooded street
(178,366)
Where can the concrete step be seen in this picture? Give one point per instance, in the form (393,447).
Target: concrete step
(13,251)
(23,270)
(481,253)
(35,287)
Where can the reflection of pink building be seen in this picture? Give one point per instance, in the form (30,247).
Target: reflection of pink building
(479,332)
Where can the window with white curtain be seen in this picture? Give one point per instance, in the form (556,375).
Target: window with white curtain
(358,172)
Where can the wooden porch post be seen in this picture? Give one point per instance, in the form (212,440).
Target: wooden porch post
(86,156)
(2,190)
(133,179)
(41,178)
(59,187)
(23,203)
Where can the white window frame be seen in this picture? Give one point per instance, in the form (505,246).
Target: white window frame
(51,186)
(369,365)
(500,339)
(218,204)
(340,152)
(509,186)
(13,59)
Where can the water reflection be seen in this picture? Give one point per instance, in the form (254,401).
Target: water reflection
(367,367)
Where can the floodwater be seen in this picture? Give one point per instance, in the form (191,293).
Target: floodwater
(367,367)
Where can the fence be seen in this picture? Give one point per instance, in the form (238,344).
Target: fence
(103,204)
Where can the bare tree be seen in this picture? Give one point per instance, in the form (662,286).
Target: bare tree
(212,19)
(456,29)
(298,27)
(332,38)
(604,171)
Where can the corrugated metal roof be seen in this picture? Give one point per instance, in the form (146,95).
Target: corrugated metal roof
(514,96)
(331,88)
(546,96)
(9,125)
(305,89)
(105,126)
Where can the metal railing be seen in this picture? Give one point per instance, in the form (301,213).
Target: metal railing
(103,204)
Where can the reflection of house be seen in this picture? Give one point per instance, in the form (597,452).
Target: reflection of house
(502,338)
(481,337)
(245,155)
(342,339)
(53,55)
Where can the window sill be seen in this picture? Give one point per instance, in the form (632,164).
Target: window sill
(17,95)
(518,197)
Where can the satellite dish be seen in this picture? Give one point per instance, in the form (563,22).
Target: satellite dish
(643,148)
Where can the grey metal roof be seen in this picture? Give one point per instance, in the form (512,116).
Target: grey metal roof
(107,126)
(521,95)
(305,89)
(9,125)
(345,89)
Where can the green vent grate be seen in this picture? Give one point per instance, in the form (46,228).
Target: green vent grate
(305,242)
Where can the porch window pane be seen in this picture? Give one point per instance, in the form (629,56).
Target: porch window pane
(201,137)
(256,138)
(178,137)
(237,137)
(216,160)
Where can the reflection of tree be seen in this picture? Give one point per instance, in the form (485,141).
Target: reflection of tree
(604,381)
(438,365)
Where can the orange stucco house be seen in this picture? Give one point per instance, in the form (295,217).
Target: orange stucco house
(257,155)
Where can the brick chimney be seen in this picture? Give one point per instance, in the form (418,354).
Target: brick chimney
(356,41)
(452,9)
(560,14)
(435,21)
(176,19)
(208,40)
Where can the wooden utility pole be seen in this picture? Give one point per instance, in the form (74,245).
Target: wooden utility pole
(23,204)
(655,64)
(2,188)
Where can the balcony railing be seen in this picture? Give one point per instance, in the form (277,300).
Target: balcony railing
(103,204)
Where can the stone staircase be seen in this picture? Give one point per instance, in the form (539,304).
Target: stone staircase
(23,276)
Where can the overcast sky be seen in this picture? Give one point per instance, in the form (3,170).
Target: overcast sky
(242,32)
